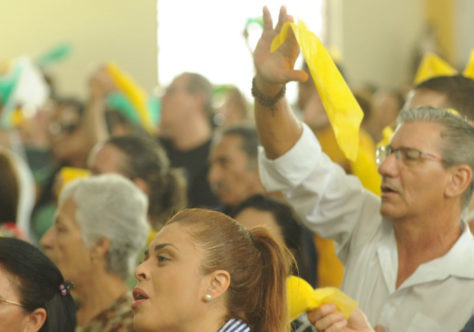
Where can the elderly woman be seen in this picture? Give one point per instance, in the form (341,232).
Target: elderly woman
(99,229)
(204,271)
(33,294)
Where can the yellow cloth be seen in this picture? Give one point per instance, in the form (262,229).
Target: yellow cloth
(302,297)
(469,71)
(330,270)
(68,174)
(344,113)
(432,66)
(135,94)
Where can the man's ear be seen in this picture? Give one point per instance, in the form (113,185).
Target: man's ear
(35,320)
(219,282)
(461,177)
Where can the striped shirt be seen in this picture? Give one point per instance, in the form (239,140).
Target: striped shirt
(234,325)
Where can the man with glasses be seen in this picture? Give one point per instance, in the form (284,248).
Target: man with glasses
(408,255)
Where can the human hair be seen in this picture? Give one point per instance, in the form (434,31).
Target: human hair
(9,188)
(249,140)
(111,206)
(258,266)
(147,160)
(75,103)
(457,137)
(458,91)
(38,281)
(198,84)
(291,229)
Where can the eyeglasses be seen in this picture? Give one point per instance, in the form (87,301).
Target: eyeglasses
(10,302)
(57,128)
(405,154)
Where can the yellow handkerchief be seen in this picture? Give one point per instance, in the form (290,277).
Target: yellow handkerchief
(302,297)
(469,71)
(137,96)
(432,66)
(344,113)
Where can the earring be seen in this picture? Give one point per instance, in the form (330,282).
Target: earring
(207,298)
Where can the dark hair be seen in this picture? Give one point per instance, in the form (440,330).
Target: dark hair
(9,189)
(147,160)
(249,140)
(75,103)
(258,266)
(39,284)
(297,238)
(458,91)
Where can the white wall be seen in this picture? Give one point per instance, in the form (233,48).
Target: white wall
(102,30)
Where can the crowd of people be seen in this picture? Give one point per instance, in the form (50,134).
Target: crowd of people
(109,223)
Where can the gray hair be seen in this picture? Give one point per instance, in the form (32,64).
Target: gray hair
(111,206)
(457,136)
(249,140)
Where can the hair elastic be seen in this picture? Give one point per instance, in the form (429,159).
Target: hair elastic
(65,287)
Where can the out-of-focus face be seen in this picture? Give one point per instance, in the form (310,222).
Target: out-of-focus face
(12,317)
(314,114)
(68,138)
(106,159)
(176,104)
(251,217)
(64,245)
(386,107)
(231,175)
(170,292)
(414,188)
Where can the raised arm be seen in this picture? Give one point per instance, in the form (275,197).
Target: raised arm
(277,126)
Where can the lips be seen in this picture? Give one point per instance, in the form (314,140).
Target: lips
(389,189)
(139,297)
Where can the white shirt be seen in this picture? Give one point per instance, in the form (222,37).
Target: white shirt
(438,296)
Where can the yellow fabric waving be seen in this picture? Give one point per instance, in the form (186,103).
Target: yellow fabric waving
(302,297)
(137,96)
(469,71)
(344,113)
(432,66)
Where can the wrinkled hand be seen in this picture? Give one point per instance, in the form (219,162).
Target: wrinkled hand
(101,83)
(277,68)
(327,319)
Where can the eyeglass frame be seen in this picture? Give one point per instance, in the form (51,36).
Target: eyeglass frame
(11,302)
(401,153)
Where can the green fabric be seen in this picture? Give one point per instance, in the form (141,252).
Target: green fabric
(43,220)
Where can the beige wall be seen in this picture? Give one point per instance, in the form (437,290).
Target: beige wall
(376,38)
(123,31)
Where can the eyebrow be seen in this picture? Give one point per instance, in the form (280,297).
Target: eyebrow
(160,246)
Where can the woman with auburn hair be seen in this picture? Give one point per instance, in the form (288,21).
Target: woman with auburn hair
(204,271)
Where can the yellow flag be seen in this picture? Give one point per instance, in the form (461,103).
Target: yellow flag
(432,66)
(302,297)
(136,95)
(344,113)
(469,71)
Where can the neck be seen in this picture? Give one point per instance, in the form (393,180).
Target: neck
(422,239)
(191,134)
(97,294)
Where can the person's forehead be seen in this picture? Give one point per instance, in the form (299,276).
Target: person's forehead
(426,97)
(417,134)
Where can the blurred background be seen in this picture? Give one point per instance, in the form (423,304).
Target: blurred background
(377,42)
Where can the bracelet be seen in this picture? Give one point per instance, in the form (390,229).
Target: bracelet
(265,100)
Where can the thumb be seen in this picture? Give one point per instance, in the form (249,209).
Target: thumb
(297,75)
(379,328)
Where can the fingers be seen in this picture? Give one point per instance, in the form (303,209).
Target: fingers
(379,328)
(325,318)
(282,18)
(267,19)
